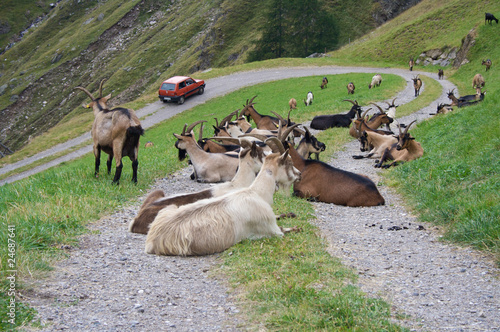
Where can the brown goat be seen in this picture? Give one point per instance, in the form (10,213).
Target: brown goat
(417,84)
(406,149)
(486,63)
(478,81)
(411,63)
(293,104)
(324,83)
(116,132)
(324,183)
(261,121)
(440,74)
(350,88)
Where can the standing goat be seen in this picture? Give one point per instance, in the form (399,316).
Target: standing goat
(376,81)
(417,84)
(350,88)
(214,225)
(309,99)
(411,63)
(440,74)
(324,83)
(322,122)
(116,132)
(250,163)
(293,104)
(478,81)
(488,17)
(486,63)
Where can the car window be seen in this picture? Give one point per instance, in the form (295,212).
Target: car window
(182,85)
(168,86)
(189,81)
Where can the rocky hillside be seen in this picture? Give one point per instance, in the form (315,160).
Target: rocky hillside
(134,45)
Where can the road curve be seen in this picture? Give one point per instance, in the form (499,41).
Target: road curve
(158,111)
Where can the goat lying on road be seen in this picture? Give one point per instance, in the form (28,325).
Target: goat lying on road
(250,163)
(213,225)
(322,122)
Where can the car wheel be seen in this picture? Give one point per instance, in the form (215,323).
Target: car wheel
(181,100)
(201,90)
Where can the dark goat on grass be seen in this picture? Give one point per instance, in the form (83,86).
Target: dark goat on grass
(322,122)
(488,17)
(116,132)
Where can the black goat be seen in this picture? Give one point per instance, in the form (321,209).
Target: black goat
(489,18)
(322,122)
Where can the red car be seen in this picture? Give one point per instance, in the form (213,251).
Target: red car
(178,88)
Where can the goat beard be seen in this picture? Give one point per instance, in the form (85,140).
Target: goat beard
(182,154)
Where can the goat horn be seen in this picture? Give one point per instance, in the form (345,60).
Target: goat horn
(279,116)
(353,102)
(258,136)
(380,109)
(233,140)
(287,132)
(184,129)
(194,125)
(363,115)
(408,126)
(100,87)
(86,91)
(393,102)
(200,136)
(251,100)
(276,145)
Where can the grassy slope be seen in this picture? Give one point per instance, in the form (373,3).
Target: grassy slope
(459,171)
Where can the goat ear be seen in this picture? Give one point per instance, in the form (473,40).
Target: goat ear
(284,157)
(177,136)
(108,97)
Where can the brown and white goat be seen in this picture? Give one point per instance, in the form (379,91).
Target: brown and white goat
(486,63)
(251,158)
(116,132)
(417,84)
(360,123)
(309,98)
(293,104)
(478,81)
(375,143)
(214,225)
(208,167)
(376,81)
(406,149)
(443,109)
(350,88)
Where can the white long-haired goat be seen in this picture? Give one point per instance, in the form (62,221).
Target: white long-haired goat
(213,225)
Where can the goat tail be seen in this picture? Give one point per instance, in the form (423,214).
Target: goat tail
(135,131)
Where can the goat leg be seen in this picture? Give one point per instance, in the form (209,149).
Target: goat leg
(109,162)
(118,174)
(135,165)
(286,215)
(361,157)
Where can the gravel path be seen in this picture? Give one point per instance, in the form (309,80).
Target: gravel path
(109,284)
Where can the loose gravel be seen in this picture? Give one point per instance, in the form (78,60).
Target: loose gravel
(108,283)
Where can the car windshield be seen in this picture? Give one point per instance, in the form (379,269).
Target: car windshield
(168,86)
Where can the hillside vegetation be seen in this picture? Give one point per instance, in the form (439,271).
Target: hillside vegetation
(456,184)
(134,44)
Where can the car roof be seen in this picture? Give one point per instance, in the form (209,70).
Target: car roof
(176,79)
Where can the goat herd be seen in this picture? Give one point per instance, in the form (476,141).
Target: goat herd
(248,164)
